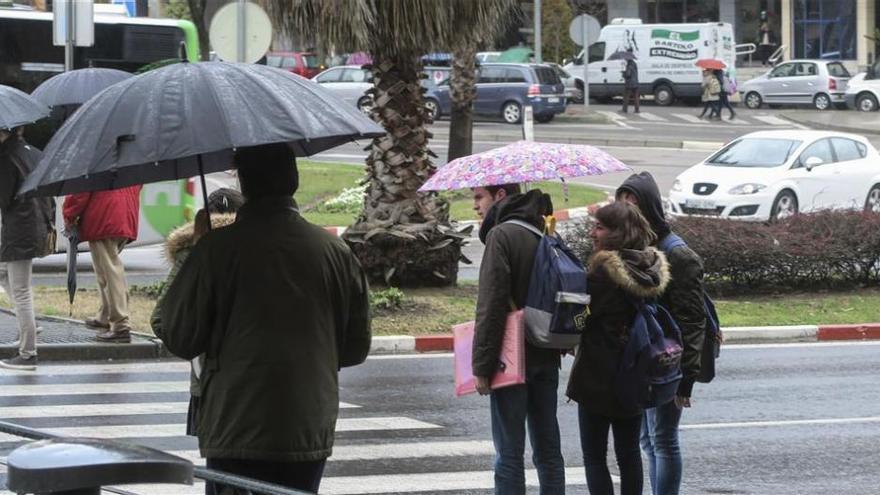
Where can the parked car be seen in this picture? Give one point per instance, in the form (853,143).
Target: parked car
(351,83)
(573,92)
(504,89)
(774,174)
(820,83)
(863,93)
(305,64)
(487,57)
(435,76)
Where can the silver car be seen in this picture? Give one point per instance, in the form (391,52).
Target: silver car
(820,83)
(350,82)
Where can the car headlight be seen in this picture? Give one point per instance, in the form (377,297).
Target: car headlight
(747,189)
(676,186)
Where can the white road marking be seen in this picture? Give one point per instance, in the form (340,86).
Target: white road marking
(103,368)
(772,120)
(689,118)
(178,430)
(651,117)
(801,344)
(115,409)
(793,422)
(42,389)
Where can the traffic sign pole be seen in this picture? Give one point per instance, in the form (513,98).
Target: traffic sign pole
(585,30)
(242,31)
(70,39)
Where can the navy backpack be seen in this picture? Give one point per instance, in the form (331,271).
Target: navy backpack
(650,367)
(557,302)
(712,340)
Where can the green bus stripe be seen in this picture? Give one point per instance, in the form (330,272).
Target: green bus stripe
(191,36)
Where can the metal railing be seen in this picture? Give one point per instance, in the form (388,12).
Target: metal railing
(248,485)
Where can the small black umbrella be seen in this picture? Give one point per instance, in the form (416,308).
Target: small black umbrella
(186,119)
(622,55)
(17,108)
(72,235)
(77,86)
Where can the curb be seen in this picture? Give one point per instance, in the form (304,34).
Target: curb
(797,119)
(732,335)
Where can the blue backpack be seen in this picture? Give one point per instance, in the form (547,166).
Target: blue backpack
(711,343)
(650,367)
(557,303)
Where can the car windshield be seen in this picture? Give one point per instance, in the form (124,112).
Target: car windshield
(755,152)
(311,61)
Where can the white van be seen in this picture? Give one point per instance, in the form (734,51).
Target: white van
(665,54)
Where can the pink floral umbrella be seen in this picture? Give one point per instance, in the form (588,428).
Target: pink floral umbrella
(521,162)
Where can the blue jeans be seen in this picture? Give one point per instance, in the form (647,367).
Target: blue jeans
(594,443)
(660,444)
(512,407)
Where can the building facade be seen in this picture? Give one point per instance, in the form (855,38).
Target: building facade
(829,29)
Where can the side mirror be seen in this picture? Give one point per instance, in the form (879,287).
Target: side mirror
(565,61)
(812,162)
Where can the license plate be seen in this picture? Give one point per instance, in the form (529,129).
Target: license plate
(553,99)
(700,204)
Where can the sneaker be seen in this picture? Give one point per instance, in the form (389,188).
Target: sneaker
(117,337)
(95,323)
(20,363)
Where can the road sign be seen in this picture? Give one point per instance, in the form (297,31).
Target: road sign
(241,32)
(584,30)
(581,25)
(78,27)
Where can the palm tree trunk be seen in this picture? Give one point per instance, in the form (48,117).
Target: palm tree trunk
(463,92)
(197,13)
(402,237)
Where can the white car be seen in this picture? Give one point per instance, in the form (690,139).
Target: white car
(863,93)
(770,175)
(350,82)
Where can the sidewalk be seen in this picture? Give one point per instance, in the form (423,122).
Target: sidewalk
(66,340)
(836,120)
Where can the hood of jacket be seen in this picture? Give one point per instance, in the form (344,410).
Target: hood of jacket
(530,207)
(182,237)
(641,273)
(643,186)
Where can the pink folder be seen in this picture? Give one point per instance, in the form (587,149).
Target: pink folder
(512,360)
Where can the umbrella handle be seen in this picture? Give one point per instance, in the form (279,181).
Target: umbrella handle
(204,190)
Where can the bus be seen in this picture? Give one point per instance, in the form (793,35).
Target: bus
(28,57)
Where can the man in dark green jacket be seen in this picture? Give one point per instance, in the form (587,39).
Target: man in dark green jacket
(504,281)
(278,306)
(684,300)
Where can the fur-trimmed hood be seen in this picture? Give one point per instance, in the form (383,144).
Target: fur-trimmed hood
(641,273)
(182,237)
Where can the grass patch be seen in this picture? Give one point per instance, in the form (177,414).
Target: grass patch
(321,181)
(433,310)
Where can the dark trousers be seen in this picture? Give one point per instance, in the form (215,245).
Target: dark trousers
(630,93)
(713,107)
(723,103)
(765,51)
(594,443)
(298,475)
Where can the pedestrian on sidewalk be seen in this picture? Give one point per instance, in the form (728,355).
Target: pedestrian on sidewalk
(623,269)
(504,281)
(684,301)
(27,232)
(711,94)
(222,206)
(278,306)
(108,221)
(766,40)
(631,83)
(728,88)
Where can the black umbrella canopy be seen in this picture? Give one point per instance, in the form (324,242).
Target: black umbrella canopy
(622,55)
(77,86)
(17,108)
(185,119)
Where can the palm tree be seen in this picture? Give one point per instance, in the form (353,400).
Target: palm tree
(402,236)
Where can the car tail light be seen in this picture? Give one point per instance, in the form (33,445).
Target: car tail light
(832,83)
(534,90)
(191,187)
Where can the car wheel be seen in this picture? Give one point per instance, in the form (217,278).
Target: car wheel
(663,95)
(433,108)
(784,206)
(866,102)
(872,204)
(511,112)
(753,100)
(822,101)
(543,119)
(577,97)
(365,105)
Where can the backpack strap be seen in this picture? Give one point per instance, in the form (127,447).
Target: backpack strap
(526,225)
(670,242)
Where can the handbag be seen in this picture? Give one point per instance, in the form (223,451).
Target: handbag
(511,362)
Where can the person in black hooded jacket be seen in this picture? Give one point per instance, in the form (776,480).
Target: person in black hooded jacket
(684,300)
(504,280)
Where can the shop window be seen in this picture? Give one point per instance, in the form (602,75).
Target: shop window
(825,29)
(674,11)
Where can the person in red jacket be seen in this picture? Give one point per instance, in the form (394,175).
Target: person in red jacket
(107,220)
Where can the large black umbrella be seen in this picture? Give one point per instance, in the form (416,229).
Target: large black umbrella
(17,108)
(77,86)
(186,119)
(622,55)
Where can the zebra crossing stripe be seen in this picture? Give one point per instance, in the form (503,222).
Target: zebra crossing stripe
(689,118)
(772,120)
(114,409)
(391,423)
(43,389)
(651,117)
(105,369)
